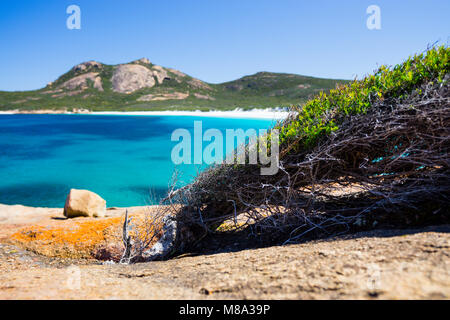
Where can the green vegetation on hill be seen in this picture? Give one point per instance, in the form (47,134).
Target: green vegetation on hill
(177,91)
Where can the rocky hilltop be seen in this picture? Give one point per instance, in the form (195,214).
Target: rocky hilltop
(143,85)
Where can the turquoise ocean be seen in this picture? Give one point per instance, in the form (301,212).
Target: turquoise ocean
(125,159)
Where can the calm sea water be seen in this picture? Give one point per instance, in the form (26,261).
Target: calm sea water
(125,159)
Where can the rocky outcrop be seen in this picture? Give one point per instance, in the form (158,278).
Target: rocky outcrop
(177,73)
(86,65)
(204,96)
(160,73)
(143,60)
(84,203)
(98,84)
(128,78)
(198,84)
(81,82)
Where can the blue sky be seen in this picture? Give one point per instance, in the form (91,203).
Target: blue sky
(214,40)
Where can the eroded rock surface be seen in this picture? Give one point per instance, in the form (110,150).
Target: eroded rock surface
(160,73)
(81,82)
(129,78)
(142,60)
(86,65)
(204,96)
(381,264)
(198,84)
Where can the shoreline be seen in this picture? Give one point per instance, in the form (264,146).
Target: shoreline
(237,113)
(4,207)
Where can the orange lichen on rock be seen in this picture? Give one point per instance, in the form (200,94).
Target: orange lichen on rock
(82,238)
(85,237)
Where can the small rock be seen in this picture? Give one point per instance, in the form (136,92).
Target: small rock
(84,203)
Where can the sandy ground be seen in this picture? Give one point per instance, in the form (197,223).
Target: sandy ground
(381,264)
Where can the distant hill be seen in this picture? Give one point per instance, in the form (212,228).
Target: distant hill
(142,85)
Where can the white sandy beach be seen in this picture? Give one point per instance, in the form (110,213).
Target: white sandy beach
(237,113)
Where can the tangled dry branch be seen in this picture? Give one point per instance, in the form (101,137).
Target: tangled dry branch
(390,164)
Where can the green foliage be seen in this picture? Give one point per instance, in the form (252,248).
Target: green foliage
(322,114)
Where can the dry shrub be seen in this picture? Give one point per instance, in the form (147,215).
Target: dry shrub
(388,166)
(139,235)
